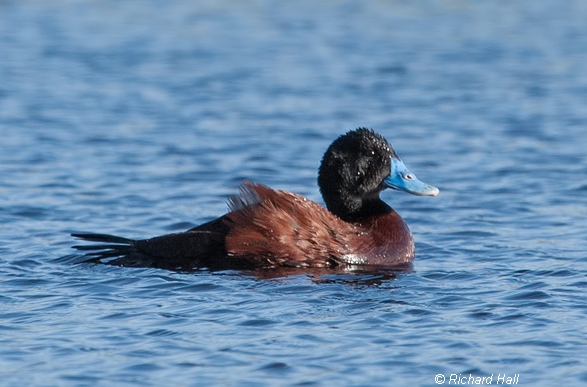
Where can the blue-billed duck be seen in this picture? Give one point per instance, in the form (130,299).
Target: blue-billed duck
(267,228)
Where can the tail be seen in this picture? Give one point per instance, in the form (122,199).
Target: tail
(179,251)
(110,246)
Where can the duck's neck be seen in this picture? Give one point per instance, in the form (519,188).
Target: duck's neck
(356,209)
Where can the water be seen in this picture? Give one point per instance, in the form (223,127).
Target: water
(139,119)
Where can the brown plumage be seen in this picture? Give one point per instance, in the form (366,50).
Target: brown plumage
(278,228)
(284,229)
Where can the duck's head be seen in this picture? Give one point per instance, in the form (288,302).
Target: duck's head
(356,167)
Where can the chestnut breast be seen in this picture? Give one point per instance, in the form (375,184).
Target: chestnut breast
(390,240)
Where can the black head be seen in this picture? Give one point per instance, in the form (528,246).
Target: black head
(356,167)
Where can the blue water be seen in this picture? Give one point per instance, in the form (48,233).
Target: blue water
(141,118)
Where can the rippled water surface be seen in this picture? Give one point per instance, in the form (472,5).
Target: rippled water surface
(141,118)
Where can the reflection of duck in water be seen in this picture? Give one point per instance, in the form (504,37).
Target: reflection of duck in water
(271,228)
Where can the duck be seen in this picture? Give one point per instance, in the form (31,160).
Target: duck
(269,228)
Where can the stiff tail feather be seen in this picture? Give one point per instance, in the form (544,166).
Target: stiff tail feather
(110,246)
(102,238)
